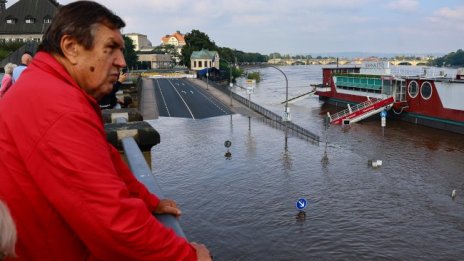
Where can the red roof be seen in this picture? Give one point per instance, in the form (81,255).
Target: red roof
(177,35)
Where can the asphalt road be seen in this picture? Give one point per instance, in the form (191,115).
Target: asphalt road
(180,98)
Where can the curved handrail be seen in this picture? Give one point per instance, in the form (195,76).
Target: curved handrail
(140,168)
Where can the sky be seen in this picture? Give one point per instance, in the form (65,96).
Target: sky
(302,26)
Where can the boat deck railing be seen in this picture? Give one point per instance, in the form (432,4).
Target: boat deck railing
(356,107)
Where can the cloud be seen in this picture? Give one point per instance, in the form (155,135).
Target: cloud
(452,15)
(403,5)
(300,26)
(448,20)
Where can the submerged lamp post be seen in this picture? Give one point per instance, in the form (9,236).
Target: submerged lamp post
(207,79)
(230,83)
(286,115)
(230,80)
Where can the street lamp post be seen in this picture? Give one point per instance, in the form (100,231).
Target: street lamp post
(230,80)
(286,112)
(230,83)
(207,79)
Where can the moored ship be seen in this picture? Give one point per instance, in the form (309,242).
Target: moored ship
(434,101)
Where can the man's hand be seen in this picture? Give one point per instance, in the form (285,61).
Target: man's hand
(202,252)
(122,77)
(168,206)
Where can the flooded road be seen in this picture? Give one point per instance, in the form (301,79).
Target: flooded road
(244,208)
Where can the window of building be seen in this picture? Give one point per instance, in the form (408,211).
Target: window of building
(47,20)
(194,64)
(10,20)
(413,89)
(200,64)
(426,90)
(29,19)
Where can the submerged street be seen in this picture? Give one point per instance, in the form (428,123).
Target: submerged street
(180,98)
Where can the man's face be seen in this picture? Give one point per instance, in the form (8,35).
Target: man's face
(98,68)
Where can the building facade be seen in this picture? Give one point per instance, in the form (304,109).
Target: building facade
(26,20)
(203,59)
(177,39)
(157,61)
(141,42)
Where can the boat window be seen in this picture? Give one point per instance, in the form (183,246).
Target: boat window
(413,89)
(426,90)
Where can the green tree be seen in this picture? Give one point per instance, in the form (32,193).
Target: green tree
(251,57)
(6,48)
(254,76)
(196,41)
(129,53)
(275,55)
(229,68)
(165,49)
(451,59)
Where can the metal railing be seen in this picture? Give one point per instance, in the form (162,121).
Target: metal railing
(296,129)
(356,107)
(140,168)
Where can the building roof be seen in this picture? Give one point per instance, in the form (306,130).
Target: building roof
(135,34)
(177,35)
(203,54)
(38,10)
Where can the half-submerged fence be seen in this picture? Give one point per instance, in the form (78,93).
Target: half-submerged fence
(271,117)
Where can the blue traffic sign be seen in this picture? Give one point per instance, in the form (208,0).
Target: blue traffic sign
(301,203)
(383,114)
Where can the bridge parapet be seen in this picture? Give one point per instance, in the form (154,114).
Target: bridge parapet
(344,61)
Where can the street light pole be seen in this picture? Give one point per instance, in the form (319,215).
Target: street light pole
(230,80)
(286,91)
(230,83)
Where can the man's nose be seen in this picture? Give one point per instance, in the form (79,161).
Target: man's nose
(120,61)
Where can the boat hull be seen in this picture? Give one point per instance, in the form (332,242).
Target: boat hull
(431,102)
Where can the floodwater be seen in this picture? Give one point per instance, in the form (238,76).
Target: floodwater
(244,208)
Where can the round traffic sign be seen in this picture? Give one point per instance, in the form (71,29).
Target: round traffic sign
(301,203)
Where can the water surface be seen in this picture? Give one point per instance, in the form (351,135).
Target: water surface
(244,208)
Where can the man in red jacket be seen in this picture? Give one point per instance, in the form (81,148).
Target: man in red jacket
(70,194)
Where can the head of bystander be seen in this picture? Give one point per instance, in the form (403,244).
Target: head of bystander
(7,79)
(26,59)
(7,233)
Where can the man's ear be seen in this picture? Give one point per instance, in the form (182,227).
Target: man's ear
(70,48)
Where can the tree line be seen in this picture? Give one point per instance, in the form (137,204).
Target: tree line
(453,59)
(197,40)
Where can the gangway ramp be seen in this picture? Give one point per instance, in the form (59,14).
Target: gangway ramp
(361,110)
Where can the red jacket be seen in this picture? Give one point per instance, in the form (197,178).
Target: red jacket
(71,195)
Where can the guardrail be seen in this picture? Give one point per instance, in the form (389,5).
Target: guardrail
(140,168)
(302,132)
